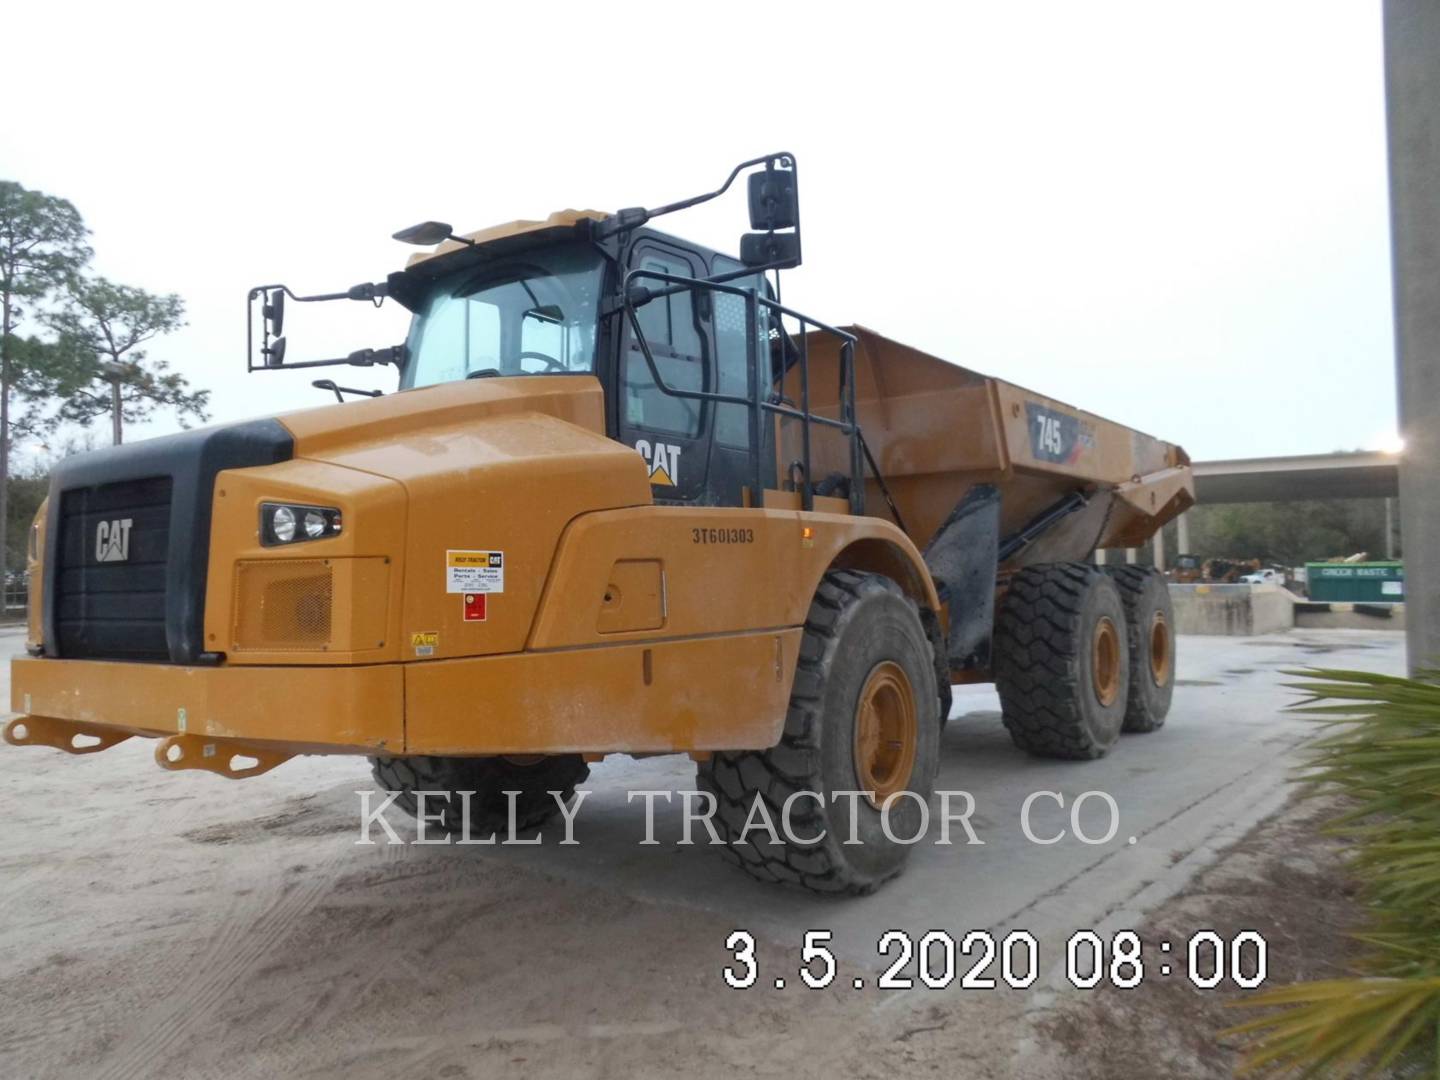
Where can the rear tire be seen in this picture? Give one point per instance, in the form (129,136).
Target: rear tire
(863,715)
(489,778)
(1062,661)
(946,693)
(1150,630)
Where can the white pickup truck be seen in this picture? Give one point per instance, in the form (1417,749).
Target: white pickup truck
(1267,576)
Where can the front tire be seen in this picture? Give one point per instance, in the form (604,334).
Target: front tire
(489,778)
(864,716)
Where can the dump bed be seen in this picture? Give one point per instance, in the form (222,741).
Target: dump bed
(937,429)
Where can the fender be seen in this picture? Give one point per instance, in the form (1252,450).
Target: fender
(649,572)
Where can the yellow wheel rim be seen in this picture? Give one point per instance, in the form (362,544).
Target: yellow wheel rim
(1105,661)
(1159,649)
(886,729)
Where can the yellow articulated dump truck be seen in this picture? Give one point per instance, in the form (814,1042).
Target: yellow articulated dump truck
(622,500)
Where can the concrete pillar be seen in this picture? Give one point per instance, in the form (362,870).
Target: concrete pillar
(1389,528)
(1129,556)
(1182,531)
(1412,93)
(1159,549)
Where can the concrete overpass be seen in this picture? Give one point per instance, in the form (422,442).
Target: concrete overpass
(1362,474)
(1366,474)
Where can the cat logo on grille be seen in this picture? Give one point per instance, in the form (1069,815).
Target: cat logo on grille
(112,540)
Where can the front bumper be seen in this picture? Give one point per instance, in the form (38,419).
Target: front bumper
(358,709)
(725,692)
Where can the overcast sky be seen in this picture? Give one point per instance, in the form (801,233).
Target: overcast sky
(1171,214)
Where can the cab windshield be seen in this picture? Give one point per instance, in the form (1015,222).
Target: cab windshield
(534,314)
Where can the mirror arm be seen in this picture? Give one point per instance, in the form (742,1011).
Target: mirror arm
(310,364)
(636,216)
(366,290)
(787,160)
(395,354)
(375,292)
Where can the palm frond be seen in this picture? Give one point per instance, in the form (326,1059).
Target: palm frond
(1379,746)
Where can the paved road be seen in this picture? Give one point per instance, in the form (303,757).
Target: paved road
(1217,766)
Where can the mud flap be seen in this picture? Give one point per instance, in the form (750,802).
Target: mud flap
(962,557)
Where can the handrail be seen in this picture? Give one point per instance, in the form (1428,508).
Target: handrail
(756,401)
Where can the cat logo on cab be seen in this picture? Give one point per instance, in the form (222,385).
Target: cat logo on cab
(663,459)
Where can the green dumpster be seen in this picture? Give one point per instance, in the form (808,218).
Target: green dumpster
(1362,583)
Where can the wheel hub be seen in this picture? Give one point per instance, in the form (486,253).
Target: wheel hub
(1159,649)
(886,730)
(1105,662)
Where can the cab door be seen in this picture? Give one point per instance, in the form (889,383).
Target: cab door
(731,471)
(670,433)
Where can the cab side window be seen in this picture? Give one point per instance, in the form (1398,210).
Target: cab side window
(673,333)
(732,361)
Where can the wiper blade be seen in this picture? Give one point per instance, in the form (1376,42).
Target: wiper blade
(341,391)
(483,373)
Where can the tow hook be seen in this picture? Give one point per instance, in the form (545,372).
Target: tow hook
(225,757)
(71,736)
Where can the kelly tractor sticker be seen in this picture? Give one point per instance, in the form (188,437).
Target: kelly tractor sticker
(1057,436)
(474,572)
(663,460)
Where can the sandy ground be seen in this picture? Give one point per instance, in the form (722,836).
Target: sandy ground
(160,925)
(1286,881)
(155,932)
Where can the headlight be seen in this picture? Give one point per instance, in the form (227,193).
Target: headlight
(282,524)
(289,523)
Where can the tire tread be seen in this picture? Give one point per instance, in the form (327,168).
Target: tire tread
(1037,633)
(736,777)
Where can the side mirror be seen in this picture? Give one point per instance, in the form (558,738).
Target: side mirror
(774,200)
(274,312)
(426,234)
(780,251)
(275,354)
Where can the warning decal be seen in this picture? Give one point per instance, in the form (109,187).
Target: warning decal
(474,571)
(424,642)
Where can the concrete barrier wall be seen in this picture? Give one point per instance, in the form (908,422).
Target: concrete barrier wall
(1234,610)
(1323,616)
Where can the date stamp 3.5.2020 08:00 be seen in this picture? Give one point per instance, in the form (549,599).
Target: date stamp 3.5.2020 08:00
(937,961)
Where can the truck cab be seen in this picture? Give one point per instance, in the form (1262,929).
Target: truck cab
(555,308)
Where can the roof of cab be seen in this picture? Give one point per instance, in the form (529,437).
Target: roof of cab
(559,219)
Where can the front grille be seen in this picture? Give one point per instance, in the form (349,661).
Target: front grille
(110,574)
(282,604)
